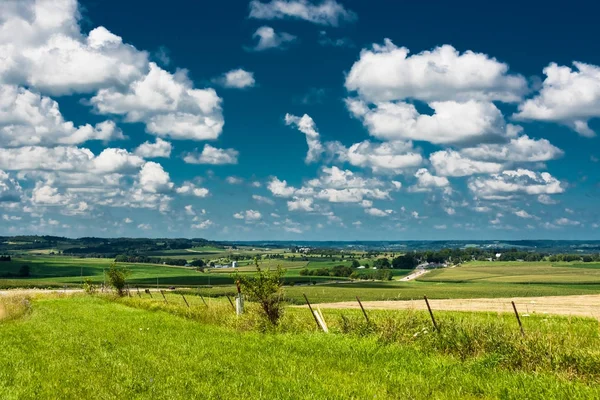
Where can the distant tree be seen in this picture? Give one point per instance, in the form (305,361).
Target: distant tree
(355,264)
(381,263)
(406,261)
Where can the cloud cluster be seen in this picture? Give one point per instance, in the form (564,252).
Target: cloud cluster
(509,183)
(568,96)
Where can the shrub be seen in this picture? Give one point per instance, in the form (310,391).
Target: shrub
(117,277)
(265,288)
(88,286)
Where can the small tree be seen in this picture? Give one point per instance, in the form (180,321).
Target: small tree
(265,288)
(117,277)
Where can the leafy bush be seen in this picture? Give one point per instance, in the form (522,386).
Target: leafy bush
(88,286)
(117,277)
(265,288)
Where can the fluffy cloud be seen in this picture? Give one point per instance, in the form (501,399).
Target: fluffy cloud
(451,122)
(280,188)
(386,73)
(44,194)
(73,159)
(509,183)
(568,96)
(167,104)
(248,215)
(160,148)
(237,79)
(42,46)
(566,222)
(203,224)
(328,12)
(427,182)
(334,185)
(306,125)
(189,188)
(28,118)
(521,149)
(10,190)
(213,155)
(394,157)
(523,214)
(269,39)
(452,163)
(376,212)
(299,204)
(154,179)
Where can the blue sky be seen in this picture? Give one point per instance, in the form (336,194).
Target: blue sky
(298,119)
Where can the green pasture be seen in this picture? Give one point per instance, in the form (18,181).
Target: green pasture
(94,348)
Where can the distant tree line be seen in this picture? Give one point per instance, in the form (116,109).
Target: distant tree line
(5,258)
(123,258)
(349,272)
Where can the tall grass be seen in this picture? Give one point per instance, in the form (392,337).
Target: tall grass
(13,307)
(91,348)
(567,346)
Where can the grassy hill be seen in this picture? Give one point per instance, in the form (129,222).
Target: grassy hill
(94,348)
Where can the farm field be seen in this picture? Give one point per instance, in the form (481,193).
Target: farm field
(518,272)
(126,349)
(378,291)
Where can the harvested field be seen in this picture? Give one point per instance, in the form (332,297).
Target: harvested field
(581,306)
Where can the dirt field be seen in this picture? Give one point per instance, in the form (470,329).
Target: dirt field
(583,306)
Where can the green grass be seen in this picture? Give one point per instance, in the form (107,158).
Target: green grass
(94,349)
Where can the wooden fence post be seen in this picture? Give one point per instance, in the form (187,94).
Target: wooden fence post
(163,295)
(204,301)
(312,311)
(363,309)
(138,291)
(230,302)
(518,318)
(149,292)
(435,325)
(186,303)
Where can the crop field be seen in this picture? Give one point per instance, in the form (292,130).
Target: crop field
(518,272)
(97,348)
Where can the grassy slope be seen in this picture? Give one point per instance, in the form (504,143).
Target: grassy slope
(89,348)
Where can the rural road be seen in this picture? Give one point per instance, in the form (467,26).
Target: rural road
(582,306)
(414,275)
